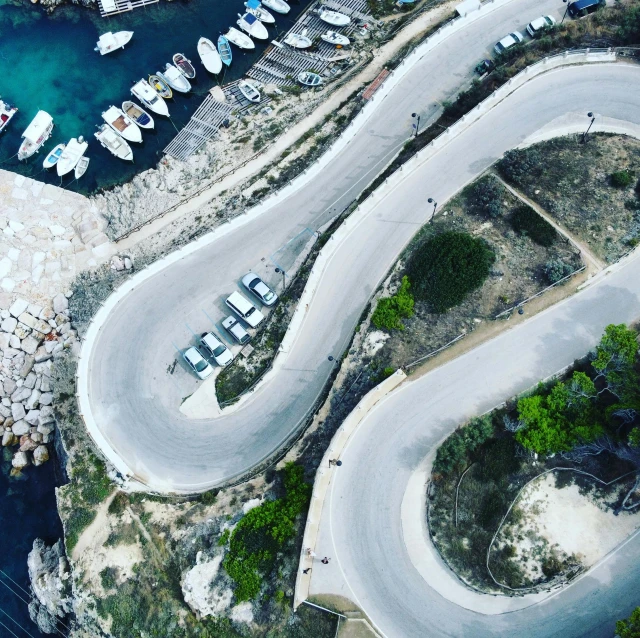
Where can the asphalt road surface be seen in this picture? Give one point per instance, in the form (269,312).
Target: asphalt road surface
(135,400)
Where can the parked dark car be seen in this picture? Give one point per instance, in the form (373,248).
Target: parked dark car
(582,8)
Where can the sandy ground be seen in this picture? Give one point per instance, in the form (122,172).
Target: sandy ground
(574,522)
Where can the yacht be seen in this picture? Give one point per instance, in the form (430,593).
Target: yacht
(149,97)
(35,135)
(122,124)
(109,42)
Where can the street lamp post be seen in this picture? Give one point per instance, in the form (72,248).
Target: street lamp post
(283,276)
(417,125)
(586,133)
(565,11)
(435,205)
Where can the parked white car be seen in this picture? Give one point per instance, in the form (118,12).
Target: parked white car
(540,24)
(254,284)
(235,329)
(508,41)
(197,362)
(244,309)
(212,346)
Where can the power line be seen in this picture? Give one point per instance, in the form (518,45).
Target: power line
(15,622)
(9,630)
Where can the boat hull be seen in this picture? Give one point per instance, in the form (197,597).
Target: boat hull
(175,79)
(209,56)
(122,124)
(150,98)
(138,115)
(334,18)
(52,158)
(81,167)
(184,66)
(160,87)
(114,143)
(224,49)
(116,41)
(335,38)
(71,155)
(298,41)
(238,38)
(279,6)
(256,30)
(35,135)
(249,91)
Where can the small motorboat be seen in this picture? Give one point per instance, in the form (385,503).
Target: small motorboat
(298,40)
(209,55)
(336,38)
(137,114)
(249,91)
(239,39)
(52,158)
(251,25)
(114,143)
(160,86)
(184,66)
(333,17)
(279,6)
(308,78)
(150,98)
(71,155)
(122,124)
(35,135)
(176,80)
(6,113)
(109,42)
(81,167)
(253,7)
(224,48)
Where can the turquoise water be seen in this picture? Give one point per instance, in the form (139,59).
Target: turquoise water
(48,62)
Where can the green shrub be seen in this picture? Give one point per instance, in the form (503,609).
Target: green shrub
(555,270)
(525,221)
(447,267)
(519,164)
(118,504)
(108,577)
(261,533)
(485,196)
(391,310)
(453,453)
(621,179)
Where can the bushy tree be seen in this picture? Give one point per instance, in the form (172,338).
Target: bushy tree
(453,453)
(485,196)
(525,221)
(629,628)
(555,270)
(519,164)
(390,311)
(447,267)
(621,179)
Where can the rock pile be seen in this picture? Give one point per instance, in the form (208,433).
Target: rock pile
(30,337)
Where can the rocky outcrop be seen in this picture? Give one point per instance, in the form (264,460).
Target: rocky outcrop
(51,585)
(199,592)
(31,336)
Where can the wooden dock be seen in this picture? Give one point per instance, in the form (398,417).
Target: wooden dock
(113,7)
(202,126)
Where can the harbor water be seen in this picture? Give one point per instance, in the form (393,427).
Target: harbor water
(48,62)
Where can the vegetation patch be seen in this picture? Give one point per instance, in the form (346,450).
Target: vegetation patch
(587,422)
(447,267)
(525,221)
(390,311)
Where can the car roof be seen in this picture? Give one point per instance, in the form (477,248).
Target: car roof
(582,4)
(192,354)
(211,340)
(538,22)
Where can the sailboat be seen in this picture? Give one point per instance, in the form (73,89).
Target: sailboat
(72,153)
(122,124)
(150,98)
(209,55)
(225,50)
(35,135)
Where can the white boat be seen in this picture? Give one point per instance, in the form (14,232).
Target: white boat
(122,124)
(172,76)
(251,25)
(114,143)
(239,39)
(35,135)
(150,98)
(253,6)
(81,167)
(336,38)
(6,113)
(184,65)
(209,55)
(279,6)
(71,155)
(249,91)
(298,40)
(308,78)
(109,42)
(333,17)
(137,114)
(52,158)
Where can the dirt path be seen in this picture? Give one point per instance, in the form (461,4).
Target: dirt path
(594,265)
(145,533)
(380,57)
(88,536)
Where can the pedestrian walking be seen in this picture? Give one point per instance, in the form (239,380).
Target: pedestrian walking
(306,571)
(325,561)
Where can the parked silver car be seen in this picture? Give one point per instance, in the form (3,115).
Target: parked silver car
(197,362)
(212,346)
(540,24)
(508,41)
(254,284)
(235,329)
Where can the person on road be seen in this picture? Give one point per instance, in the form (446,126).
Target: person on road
(325,561)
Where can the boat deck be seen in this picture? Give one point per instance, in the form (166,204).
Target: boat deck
(113,7)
